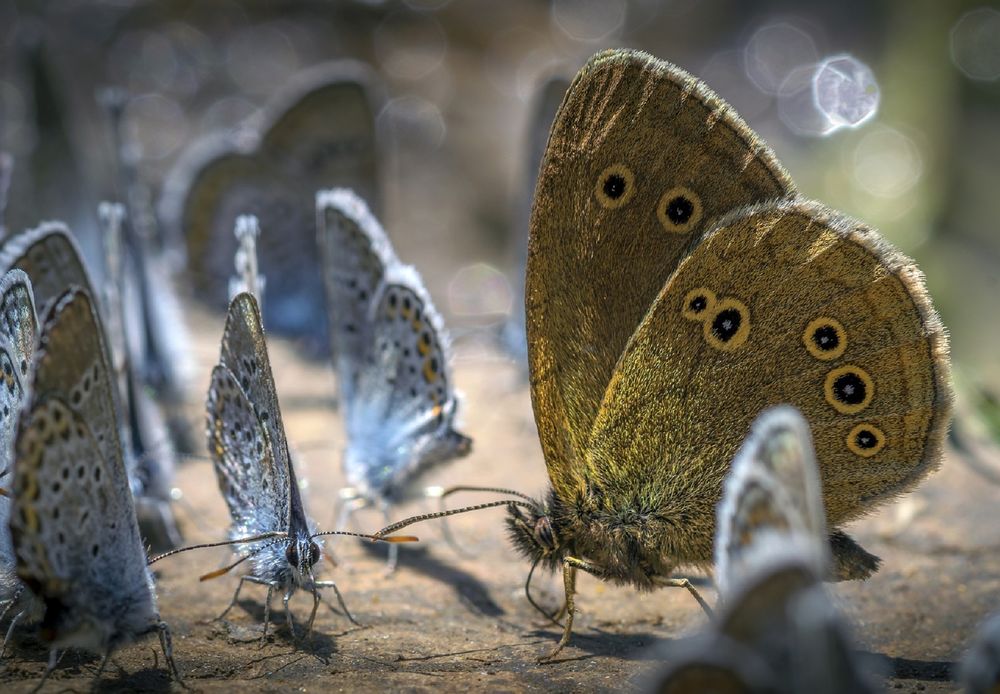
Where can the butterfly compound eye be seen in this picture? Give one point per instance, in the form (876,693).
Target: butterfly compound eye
(292,555)
(313,553)
(679,210)
(615,186)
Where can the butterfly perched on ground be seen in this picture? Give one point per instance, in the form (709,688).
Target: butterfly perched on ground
(778,630)
(676,287)
(73,525)
(246,439)
(320,132)
(390,354)
(49,255)
(18,338)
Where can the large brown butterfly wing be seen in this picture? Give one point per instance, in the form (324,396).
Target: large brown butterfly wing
(641,157)
(796,304)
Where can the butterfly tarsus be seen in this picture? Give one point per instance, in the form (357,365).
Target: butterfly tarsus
(685,583)
(167,645)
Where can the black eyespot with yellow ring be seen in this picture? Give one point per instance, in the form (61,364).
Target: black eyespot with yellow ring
(679,210)
(726,328)
(698,303)
(866,440)
(849,389)
(615,186)
(825,338)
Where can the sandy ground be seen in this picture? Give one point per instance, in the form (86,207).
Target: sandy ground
(449,623)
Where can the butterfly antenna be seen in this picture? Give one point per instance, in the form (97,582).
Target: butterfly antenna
(527,594)
(377,537)
(441,514)
(442,493)
(239,540)
(226,569)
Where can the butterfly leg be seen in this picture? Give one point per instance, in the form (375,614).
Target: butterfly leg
(267,613)
(340,600)
(288,611)
(684,583)
(54,658)
(10,628)
(166,644)
(570,566)
(236,596)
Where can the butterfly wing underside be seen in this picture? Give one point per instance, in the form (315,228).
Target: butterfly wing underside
(640,159)
(18,333)
(50,257)
(244,357)
(391,351)
(73,522)
(244,460)
(783,303)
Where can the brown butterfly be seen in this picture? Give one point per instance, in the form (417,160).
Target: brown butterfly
(676,287)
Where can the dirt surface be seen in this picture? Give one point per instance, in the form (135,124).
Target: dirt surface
(449,623)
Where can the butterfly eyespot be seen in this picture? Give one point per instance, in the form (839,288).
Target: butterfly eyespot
(865,440)
(86,383)
(728,325)
(679,210)
(80,471)
(95,549)
(24,366)
(698,303)
(615,186)
(430,370)
(849,389)
(825,338)
(76,397)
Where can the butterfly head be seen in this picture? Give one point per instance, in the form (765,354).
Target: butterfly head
(301,555)
(534,532)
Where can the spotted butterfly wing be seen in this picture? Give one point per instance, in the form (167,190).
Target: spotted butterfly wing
(771,502)
(50,256)
(243,355)
(18,333)
(642,157)
(391,354)
(73,524)
(245,466)
(321,132)
(734,331)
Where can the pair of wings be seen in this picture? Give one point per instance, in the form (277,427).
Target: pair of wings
(246,436)
(777,629)
(73,524)
(390,351)
(320,132)
(676,287)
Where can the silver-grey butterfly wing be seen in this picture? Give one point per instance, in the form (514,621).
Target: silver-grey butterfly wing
(18,336)
(73,523)
(980,669)
(392,355)
(244,355)
(355,254)
(243,459)
(771,503)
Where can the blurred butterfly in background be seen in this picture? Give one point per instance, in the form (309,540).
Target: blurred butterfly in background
(246,439)
(74,529)
(778,630)
(980,668)
(547,98)
(153,327)
(391,358)
(6,170)
(676,287)
(18,339)
(50,257)
(151,458)
(320,133)
(247,277)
